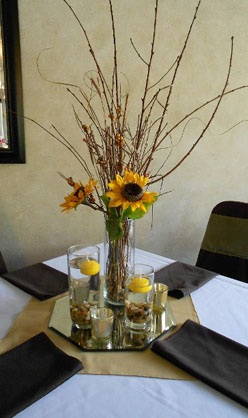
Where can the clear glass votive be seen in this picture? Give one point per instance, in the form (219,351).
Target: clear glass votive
(84,282)
(136,339)
(102,324)
(139,297)
(160,297)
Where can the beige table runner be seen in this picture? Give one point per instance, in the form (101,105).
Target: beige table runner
(36,316)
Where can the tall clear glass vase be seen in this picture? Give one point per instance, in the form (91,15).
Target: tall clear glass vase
(119,261)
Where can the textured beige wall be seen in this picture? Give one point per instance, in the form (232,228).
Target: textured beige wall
(32,226)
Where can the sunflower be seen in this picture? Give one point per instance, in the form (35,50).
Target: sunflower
(78,195)
(128,191)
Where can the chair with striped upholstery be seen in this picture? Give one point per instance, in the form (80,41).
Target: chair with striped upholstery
(224,248)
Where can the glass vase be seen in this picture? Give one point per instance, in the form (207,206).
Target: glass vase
(119,261)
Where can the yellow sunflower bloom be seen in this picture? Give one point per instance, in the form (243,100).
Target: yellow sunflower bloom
(128,191)
(78,195)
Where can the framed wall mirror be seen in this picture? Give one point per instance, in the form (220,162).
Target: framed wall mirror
(12,146)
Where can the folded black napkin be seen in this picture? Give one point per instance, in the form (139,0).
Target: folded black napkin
(39,280)
(182,279)
(216,360)
(30,371)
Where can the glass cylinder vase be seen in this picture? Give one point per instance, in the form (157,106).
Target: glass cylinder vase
(84,283)
(119,260)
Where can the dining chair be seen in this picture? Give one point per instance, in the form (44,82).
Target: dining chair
(224,248)
(3,268)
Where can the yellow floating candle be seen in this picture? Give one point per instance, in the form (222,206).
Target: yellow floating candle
(90,267)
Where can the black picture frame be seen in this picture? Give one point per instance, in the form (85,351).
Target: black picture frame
(15,153)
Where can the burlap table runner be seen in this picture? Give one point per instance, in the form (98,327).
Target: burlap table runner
(36,316)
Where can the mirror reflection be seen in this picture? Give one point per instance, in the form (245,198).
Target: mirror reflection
(123,338)
(12,143)
(4,143)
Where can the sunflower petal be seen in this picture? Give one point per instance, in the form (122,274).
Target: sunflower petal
(146,179)
(112,184)
(136,178)
(116,189)
(140,181)
(149,197)
(142,207)
(134,206)
(115,203)
(129,177)
(143,180)
(113,195)
(119,180)
(126,177)
(77,186)
(89,187)
(125,204)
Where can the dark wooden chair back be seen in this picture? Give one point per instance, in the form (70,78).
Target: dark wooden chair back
(224,248)
(3,268)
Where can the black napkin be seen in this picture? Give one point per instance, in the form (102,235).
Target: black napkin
(30,371)
(39,280)
(216,360)
(182,279)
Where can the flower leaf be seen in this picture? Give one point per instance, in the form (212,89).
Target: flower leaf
(138,213)
(114,228)
(111,211)
(126,213)
(105,200)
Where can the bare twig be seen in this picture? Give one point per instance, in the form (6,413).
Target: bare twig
(134,47)
(163,76)
(178,62)
(143,100)
(102,78)
(207,125)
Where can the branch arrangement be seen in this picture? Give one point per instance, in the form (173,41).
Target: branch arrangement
(121,156)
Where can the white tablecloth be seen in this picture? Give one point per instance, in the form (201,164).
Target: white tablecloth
(221,305)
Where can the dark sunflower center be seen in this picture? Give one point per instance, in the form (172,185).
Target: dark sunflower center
(132,192)
(77,192)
